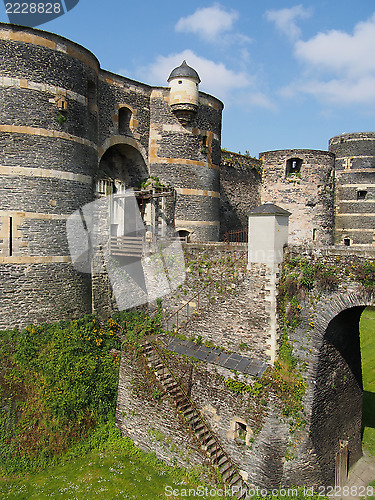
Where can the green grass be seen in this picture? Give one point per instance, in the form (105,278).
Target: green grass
(367,329)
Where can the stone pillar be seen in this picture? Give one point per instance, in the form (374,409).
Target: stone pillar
(268,234)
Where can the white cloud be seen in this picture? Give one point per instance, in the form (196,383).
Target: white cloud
(352,55)
(210,23)
(340,67)
(218,80)
(285,20)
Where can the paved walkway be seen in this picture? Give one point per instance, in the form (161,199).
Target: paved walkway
(360,475)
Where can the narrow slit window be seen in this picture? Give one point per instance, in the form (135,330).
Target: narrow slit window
(314,234)
(361,194)
(10,236)
(91,97)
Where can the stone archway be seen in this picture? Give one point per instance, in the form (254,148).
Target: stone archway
(333,400)
(337,405)
(122,163)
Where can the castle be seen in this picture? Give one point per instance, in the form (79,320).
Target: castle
(71,131)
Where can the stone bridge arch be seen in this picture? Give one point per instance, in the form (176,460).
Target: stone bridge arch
(328,342)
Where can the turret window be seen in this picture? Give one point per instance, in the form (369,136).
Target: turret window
(293,166)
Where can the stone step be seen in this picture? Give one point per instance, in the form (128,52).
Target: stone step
(208,444)
(202,432)
(221,460)
(224,467)
(228,474)
(236,480)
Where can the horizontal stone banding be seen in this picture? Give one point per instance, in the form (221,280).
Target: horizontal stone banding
(357,230)
(351,214)
(38,259)
(180,222)
(43,132)
(16,36)
(184,161)
(44,172)
(33,215)
(197,192)
(41,87)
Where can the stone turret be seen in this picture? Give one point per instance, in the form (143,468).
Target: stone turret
(184,93)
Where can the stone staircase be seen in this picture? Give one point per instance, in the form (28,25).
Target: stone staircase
(194,420)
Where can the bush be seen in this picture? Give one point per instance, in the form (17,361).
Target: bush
(58,382)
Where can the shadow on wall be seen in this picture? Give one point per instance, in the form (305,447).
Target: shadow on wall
(337,407)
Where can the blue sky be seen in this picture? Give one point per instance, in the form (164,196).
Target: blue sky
(291,74)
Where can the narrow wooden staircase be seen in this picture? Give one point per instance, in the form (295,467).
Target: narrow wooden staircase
(194,420)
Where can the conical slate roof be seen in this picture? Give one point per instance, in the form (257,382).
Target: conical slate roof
(184,71)
(268,209)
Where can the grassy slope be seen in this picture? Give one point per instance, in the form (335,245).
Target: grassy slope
(106,475)
(367,329)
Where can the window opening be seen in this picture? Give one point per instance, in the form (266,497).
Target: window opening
(91,96)
(184,235)
(314,234)
(361,195)
(10,236)
(241,431)
(293,166)
(347,242)
(124,116)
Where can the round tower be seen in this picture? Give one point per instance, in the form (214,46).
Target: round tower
(301,181)
(185,152)
(354,188)
(48,133)
(184,93)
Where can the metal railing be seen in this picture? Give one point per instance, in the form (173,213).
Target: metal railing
(236,236)
(126,246)
(199,300)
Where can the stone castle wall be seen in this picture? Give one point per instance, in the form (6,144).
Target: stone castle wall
(307,194)
(47,159)
(188,158)
(240,187)
(61,129)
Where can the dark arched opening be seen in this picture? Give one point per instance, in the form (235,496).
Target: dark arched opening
(121,167)
(184,235)
(123,163)
(124,116)
(337,406)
